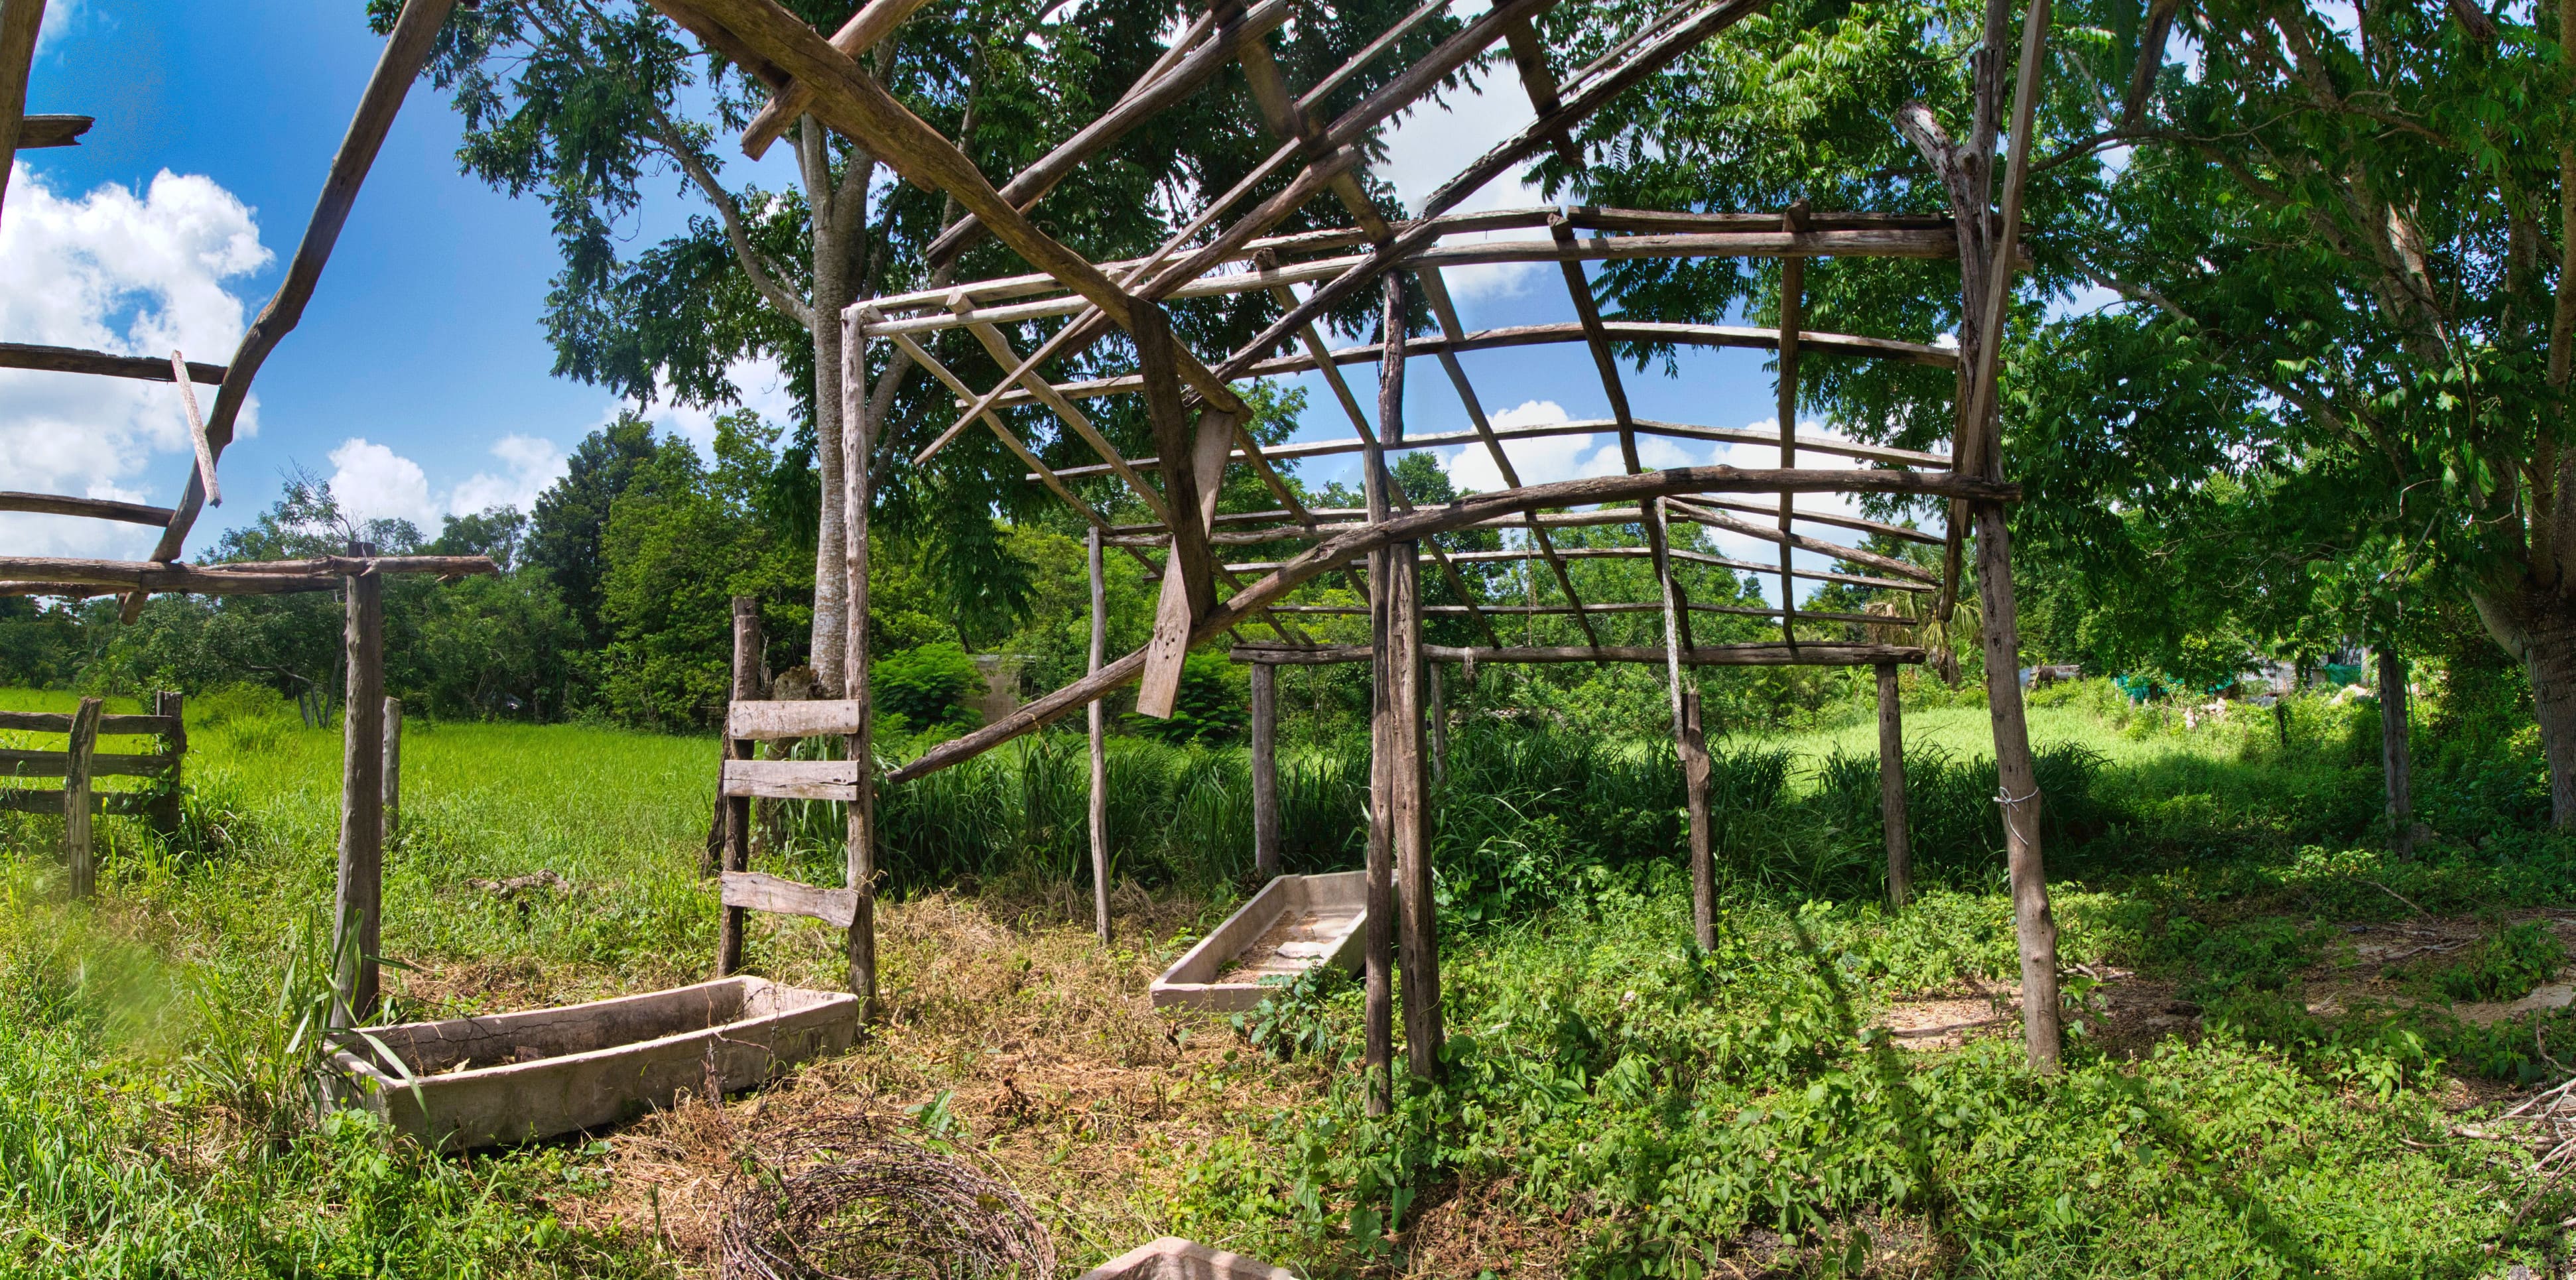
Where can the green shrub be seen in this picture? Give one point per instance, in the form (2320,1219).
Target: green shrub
(1211,705)
(927,687)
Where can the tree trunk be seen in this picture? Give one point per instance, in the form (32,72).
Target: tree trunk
(831,293)
(2538,626)
(2396,762)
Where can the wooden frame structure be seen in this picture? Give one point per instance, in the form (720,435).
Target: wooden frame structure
(1226,248)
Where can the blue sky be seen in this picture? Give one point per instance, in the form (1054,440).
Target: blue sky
(418,381)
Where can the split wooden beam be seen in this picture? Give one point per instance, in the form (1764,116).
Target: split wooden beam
(322,573)
(1327,557)
(415,34)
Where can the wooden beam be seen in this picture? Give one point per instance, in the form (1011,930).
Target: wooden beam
(769,721)
(20,21)
(111,726)
(1788,541)
(871,24)
(1189,588)
(999,347)
(859,816)
(1687,506)
(76,799)
(1160,88)
(267,578)
(415,33)
(1703,861)
(1588,312)
(17,763)
(1580,427)
(1265,770)
(1554,610)
(93,508)
(197,430)
(28,355)
(1627,553)
(1423,523)
(1810,654)
(52,131)
(790,779)
(1793,291)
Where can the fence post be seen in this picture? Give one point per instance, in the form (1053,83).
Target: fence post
(358,925)
(76,798)
(1891,789)
(1265,770)
(737,809)
(170,703)
(393,771)
(1099,726)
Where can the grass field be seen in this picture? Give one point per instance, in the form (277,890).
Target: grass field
(1617,1104)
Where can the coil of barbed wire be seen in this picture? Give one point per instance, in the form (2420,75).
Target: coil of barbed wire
(847,1204)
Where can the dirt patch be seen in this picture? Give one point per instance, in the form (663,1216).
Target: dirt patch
(1946,1021)
(1023,1047)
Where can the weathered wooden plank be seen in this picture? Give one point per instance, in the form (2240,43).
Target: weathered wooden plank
(757,891)
(93,508)
(765,721)
(57,764)
(197,430)
(109,726)
(391,805)
(1265,768)
(791,779)
(52,130)
(76,802)
(871,24)
(254,578)
(47,801)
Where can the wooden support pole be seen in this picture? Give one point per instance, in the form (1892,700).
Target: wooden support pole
(76,799)
(392,803)
(1695,771)
(1100,749)
(2396,759)
(2034,926)
(1439,722)
(747,648)
(1793,300)
(171,705)
(1378,1057)
(1408,803)
(1891,789)
(858,438)
(1265,770)
(358,923)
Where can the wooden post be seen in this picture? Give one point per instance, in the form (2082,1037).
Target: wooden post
(1695,791)
(358,924)
(2034,926)
(166,812)
(1411,810)
(393,772)
(1265,770)
(747,646)
(76,798)
(2396,759)
(856,455)
(1378,1056)
(1891,789)
(1100,749)
(1439,724)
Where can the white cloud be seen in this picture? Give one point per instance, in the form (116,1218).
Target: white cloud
(135,274)
(764,389)
(374,482)
(1428,145)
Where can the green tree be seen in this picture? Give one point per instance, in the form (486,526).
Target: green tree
(567,535)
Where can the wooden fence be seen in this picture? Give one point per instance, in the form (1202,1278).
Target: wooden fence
(80,763)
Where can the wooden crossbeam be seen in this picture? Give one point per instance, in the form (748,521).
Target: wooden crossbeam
(93,508)
(54,764)
(1424,523)
(1633,553)
(28,355)
(865,29)
(792,779)
(109,726)
(1607,607)
(104,577)
(1580,427)
(1722,655)
(813,718)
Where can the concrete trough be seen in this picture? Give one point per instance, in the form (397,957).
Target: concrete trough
(1294,924)
(516,1077)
